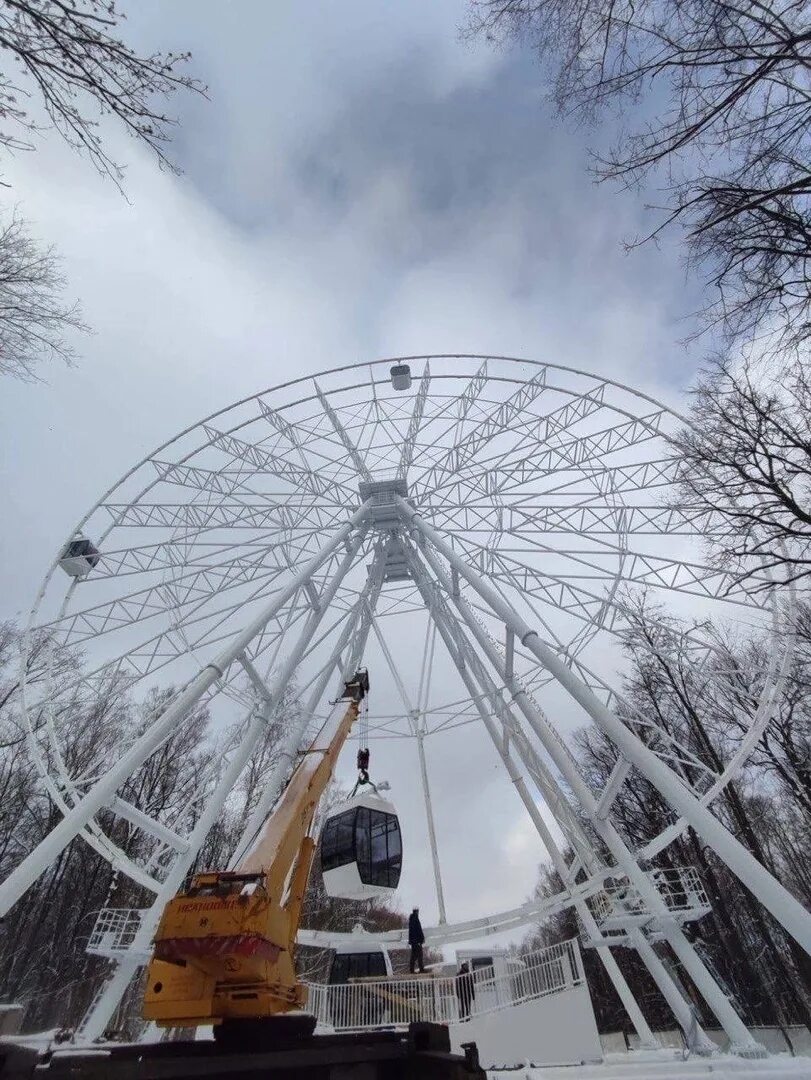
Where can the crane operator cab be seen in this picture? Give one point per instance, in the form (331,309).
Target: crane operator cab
(361,845)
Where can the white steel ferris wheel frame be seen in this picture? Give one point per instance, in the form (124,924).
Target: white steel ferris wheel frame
(405,481)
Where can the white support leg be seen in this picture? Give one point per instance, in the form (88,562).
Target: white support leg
(429,815)
(696,1038)
(96,1023)
(741,1041)
(465,669)
(788,911)
(283,677)
(103,791)
(646,1037)
(426,791)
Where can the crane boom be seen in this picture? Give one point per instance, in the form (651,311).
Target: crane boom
(224,956)
(224,947)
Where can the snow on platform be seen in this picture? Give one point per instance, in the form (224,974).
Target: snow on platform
(667,1065)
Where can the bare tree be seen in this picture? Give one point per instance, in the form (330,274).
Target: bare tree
(746,462)
(706,708)
(66,68)
(69,57)
(721,97)
(33,316)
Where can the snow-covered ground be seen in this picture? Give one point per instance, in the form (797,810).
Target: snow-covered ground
(668,1065)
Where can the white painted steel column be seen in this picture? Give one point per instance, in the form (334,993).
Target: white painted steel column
(280,683)
(422,705)
(429,815)
(426,791)
(788,911)
(694,1035)
(740,1038)
(291,745)
(647,1039)
(94,1025)
(100,794)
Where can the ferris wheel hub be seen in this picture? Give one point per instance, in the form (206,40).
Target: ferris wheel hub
(382,495)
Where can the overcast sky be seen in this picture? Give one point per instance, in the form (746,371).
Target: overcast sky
(360,184)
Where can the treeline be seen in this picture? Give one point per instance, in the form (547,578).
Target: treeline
(707,708)
(42,945)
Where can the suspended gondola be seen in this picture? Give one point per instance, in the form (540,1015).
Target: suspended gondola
(361,844)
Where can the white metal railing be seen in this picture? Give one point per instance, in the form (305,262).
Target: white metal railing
(114,931)
(387,1002)
(680,887)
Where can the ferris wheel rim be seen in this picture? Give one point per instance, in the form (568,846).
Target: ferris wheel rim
(338,370)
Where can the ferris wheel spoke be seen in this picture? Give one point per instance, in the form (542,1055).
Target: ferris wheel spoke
(566,593)
(284,427)
(211,627)
(262,460)
(537,431)
(466,448)
(361,429)
(553,428)
(224,515)
(508,474)
(612,480)
(407,452)
(562,594)
(314,444)
(191,589)
(462,405)
(330,449)
(581,518)
(646,569)
(217,482)
(159,650)
(428,454)
(340,431)
(189,551)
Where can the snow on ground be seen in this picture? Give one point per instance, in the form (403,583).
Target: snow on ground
(667,1065)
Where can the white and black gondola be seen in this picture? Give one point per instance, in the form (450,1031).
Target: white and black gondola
(79,556)
(361,848)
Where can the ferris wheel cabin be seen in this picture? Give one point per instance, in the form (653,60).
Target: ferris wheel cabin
(79,557)
(359,959)
(361,849)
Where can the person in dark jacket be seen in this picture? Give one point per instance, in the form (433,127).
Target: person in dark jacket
(464,991)
(416,939)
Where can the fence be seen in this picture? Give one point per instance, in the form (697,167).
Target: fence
(446,999)
(680,887)
(114,932)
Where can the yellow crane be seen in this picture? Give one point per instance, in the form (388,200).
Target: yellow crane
(224,948)
(224,955)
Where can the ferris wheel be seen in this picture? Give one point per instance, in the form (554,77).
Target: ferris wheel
(507,515)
